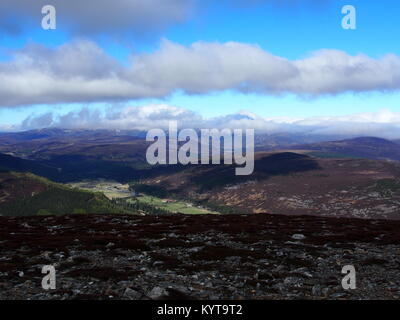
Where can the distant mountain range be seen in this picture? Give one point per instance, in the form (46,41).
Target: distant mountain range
(68,155)
(364,147)
(44,143)
(58,133)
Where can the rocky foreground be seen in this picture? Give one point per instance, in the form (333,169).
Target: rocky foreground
(198,257)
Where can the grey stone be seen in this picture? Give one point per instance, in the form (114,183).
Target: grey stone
(157,292)
(316,290)
(132,294)
(337,295)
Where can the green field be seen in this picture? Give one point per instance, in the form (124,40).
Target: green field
(115,190)
(175,206)
(111,189)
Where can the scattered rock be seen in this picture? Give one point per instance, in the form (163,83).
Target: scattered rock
(132,294)
(246,257)
(298,236)
(316,290)
(338,295)
(157,293)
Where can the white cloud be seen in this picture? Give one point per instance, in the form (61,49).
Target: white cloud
(82,72)
(128,118)
(385,123)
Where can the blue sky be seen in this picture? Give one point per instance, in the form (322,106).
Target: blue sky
(287,29)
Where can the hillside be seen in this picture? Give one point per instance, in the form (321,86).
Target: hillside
(290,183)
(84,166)
(24,194)
(12,163)
(71,155)
(123,162)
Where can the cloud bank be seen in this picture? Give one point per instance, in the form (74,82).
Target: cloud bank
(81,71)
(385,123)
